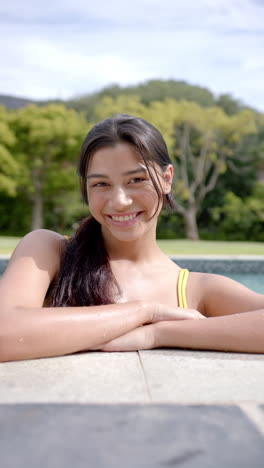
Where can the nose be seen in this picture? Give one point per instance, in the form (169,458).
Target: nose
(120,199)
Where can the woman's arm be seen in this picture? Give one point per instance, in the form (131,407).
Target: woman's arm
(28,333)
(29,330)
(223,296)
(242,333)
(235,322)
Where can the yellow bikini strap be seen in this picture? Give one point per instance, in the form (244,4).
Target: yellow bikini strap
(182,281)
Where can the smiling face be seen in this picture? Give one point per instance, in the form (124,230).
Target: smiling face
(121,194)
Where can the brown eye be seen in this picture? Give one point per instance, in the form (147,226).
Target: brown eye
(100,184)
(137,180)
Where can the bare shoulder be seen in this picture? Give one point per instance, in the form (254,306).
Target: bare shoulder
(37,244)
(220,295)
(195,297)
(31,268)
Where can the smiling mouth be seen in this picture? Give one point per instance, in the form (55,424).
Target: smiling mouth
(125,217)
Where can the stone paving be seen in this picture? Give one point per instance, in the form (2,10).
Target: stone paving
(157,408)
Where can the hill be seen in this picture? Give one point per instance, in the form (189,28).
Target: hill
(151,90)
(14,102)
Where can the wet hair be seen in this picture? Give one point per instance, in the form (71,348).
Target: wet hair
(85,277)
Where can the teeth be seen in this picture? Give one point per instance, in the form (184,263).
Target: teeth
(124,218)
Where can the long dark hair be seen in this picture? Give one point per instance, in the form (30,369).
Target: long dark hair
(85,276)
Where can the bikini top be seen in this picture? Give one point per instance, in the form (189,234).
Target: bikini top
(181,288)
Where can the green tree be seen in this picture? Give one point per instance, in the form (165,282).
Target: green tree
(204,143)
(109,106)
(147,92)
(8,165)
(229,104)
(242,219)
(159,90)
(47,146)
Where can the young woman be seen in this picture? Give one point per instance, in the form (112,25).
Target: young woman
(110,287)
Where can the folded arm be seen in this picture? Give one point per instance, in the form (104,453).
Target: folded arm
(242,333)
(234,322)
(28,333)
(28,330)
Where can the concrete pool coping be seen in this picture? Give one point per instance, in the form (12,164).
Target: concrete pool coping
(138,409)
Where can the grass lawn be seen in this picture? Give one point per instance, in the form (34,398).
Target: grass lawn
(174,247)
(188,247)
(7,244)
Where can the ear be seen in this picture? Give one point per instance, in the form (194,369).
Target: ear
(168,177)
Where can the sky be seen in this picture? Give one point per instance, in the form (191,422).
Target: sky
(64,48)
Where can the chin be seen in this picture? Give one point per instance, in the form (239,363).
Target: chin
(126,238)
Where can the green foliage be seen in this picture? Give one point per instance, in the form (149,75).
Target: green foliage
(159,90)
(84,105)
(39,148)
(109,106)
(9,168)
(156,90)
(64,211)
(242,219)
(15,214)
(147,92)
(47,147)
(170,226)
(229,104)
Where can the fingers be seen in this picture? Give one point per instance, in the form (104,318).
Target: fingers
(144,337)
(167,313)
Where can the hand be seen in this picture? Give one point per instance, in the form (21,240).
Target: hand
(140,338)
(162,312)
(144,337)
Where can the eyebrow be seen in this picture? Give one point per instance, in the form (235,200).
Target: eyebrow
(131,172)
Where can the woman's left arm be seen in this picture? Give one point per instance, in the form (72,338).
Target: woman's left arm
(243,333)
(235,320)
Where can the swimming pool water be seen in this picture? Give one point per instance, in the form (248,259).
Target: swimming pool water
(251,280)
(254,281)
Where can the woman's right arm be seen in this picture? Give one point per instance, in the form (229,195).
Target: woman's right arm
(28,330)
